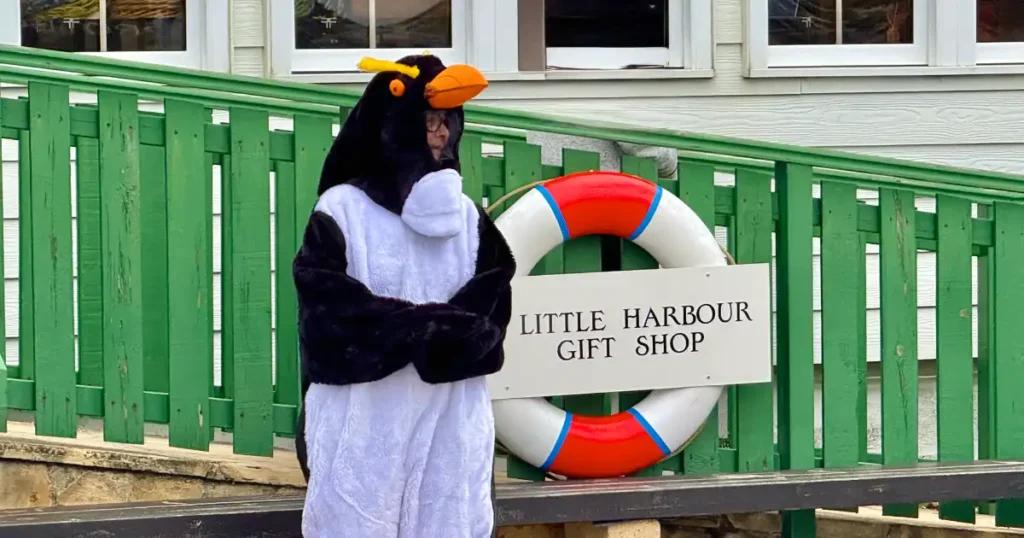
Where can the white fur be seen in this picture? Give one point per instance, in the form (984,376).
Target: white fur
(399,458)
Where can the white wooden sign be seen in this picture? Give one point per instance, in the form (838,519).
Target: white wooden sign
(637,330)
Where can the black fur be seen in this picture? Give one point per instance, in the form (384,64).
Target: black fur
(349,335)
(382,146)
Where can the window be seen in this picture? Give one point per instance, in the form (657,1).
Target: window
(332,35)
(879,33)
(1000,31)
(169,32)
(843,32)
(612,34)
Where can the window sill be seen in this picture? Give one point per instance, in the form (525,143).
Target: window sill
(526,76)
(885,71)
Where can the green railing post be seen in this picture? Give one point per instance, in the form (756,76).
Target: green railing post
(696,187)
(189,313)
(955,379)
(755,404)
(794,332)
(898,283)
(248,226)
(1008,361)
(121,268)
(49,207)
(841,260)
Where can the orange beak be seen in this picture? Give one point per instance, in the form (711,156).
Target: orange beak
(454,86)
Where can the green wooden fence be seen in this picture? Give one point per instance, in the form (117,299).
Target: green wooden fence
(140,235)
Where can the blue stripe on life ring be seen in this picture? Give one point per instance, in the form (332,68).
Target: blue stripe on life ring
(647,218)
(562,225)
(650,431)
(558,443)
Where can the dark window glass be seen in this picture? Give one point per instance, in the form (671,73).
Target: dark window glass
(863,22)
(345,24)
(131,25)
(605,23)
(1000,21)
(145,25)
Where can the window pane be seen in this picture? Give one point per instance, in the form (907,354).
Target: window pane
(342,24)
(605,23)
(1000,21)
(132,25)
(814,22)
(149,25)
(61,25)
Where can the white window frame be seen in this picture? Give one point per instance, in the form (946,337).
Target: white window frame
(950,46)
(207,43)
(764,56)
(286,59)
(689,44)
(483,37)
(976,53)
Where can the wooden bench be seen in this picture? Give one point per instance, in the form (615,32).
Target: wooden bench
(553,502)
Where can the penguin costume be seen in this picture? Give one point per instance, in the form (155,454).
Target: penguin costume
(404,298)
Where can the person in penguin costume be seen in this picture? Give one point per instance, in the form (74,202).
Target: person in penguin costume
(404,299)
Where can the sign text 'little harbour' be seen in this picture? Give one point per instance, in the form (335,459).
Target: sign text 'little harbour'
(667,329)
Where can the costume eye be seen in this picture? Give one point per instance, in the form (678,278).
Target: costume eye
(397,88)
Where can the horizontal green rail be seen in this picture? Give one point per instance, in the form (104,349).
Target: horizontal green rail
(524,121)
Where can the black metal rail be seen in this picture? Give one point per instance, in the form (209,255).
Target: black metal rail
(551,502)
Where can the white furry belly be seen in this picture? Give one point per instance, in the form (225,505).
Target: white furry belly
(399,454)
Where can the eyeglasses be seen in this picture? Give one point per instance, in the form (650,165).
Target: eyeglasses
(434,119)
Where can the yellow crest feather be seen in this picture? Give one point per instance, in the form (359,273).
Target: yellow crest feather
(373,65)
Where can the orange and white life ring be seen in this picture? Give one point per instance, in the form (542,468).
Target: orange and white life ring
(608,203)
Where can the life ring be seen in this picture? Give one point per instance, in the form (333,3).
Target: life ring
(609,203)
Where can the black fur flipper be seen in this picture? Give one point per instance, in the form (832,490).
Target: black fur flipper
(484,307)
(349,335)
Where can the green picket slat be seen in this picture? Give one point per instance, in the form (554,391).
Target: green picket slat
(471,167)
(26,283)
(286,316)
(898,294)
(696,187)
(296,183)
(840,258)
(49,207)
(522,166)
(794,331)
(90,256)
(953,347)
(189,276)
(155,344)
(755,417)
(121,268)
(582,255)
(1008,360)
(249,280)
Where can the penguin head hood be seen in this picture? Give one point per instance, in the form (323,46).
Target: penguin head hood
(382,147)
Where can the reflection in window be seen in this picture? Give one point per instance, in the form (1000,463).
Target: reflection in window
(606,23)
(373,24)
(840,22)
(1000,21)
(130,25)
